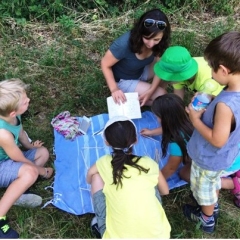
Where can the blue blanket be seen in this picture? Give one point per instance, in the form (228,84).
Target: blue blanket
(73,159)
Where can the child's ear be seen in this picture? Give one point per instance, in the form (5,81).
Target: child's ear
(106,142)
(224,70)
(12,114)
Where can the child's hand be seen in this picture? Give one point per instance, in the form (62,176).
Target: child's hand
(37,143)
(146,132)
(193,114)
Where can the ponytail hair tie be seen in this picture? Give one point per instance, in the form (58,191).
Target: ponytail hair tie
(125,150)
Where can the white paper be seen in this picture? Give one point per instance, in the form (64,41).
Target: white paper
(131,108)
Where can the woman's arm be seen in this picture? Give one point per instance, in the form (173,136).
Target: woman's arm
(162,184)
(106,64)
(172,165)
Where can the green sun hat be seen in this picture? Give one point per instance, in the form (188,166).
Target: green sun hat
(176,64)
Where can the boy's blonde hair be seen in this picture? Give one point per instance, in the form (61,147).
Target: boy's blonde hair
(11,91)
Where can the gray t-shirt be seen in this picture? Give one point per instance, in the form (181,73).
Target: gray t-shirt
(203,153)
(129,67)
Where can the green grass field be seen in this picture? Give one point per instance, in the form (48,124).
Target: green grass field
(62,65)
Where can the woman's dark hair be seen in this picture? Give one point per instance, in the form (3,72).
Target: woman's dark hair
(176,125)
(139,30)
(121,136)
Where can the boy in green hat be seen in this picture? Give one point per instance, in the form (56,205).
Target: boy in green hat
(178,68)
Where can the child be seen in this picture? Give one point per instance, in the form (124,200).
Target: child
(128,63)
(178,68)
(213,146)
(176,130)
(128,182)
(18,170)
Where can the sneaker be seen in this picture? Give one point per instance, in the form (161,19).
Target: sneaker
(6,231)
(194,214)
(94,228)
(29,200)
(216,211)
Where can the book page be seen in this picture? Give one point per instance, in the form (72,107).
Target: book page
(113,108)
(131,108)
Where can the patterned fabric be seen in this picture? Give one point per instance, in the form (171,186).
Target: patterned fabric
(66,125)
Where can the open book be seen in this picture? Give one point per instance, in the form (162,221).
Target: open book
(131,108)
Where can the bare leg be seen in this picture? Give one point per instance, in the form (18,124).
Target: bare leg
(144,86)
(227,183)
(184,173)
(42,156)
(26,177)
(208,210)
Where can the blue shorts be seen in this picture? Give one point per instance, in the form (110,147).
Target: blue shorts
(9,169)
(131,84)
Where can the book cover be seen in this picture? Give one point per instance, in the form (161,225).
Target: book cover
(131,108)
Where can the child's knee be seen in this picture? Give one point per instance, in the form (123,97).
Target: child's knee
(42,153)
(29,173)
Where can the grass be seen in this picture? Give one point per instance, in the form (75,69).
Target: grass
(62,65)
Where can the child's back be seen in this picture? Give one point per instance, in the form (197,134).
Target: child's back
(133,211)
(125,188)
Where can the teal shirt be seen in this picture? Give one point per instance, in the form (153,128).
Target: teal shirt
(15,130)
(174,149)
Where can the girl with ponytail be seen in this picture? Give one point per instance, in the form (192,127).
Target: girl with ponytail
(125,188)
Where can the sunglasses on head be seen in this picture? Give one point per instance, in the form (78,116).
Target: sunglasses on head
(150,22)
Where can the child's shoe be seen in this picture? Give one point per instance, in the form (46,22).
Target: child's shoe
(194,214)
(94,228)
(216,211)
(28,200)
(6,231)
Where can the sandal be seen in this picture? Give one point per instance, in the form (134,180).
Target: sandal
(237,174)
(236,189)
(236,202)
(48,173)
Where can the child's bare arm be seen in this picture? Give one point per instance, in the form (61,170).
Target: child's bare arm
(223,118)
(151,132)
(162,184)
(23,139)
(10,147)
(172,165)
(91,171)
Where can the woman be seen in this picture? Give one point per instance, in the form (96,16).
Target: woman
(128,63)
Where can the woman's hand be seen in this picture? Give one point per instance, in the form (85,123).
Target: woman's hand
(118,96)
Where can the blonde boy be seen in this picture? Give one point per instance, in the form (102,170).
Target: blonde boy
(18,169)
